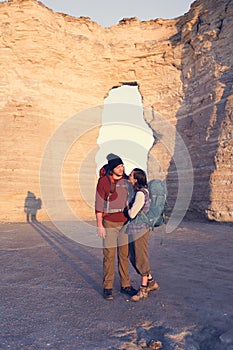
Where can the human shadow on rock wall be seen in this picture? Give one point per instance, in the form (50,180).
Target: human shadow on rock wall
(200,125)
(82,260)
(31,206)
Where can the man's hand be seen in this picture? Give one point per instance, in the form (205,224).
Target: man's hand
(101,232)
(100,228)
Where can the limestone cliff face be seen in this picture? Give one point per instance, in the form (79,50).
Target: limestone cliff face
(207,128)
(54,66)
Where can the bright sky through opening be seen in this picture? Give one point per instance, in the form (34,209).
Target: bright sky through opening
(124,131)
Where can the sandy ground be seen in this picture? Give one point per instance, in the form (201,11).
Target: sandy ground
(51,292)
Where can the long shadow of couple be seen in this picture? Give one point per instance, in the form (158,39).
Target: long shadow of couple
(82,260)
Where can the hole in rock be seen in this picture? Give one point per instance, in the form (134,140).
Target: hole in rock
(124,131)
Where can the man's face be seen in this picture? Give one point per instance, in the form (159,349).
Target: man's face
(119,170)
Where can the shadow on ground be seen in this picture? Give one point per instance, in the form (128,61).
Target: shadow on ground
(51,292)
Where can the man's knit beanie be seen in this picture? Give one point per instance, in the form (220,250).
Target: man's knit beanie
(113,161)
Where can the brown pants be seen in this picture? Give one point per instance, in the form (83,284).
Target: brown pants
(115,240)
(138,250)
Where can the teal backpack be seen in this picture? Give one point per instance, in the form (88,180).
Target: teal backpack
(158,202)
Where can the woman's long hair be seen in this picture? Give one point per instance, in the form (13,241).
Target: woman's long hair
(141,178)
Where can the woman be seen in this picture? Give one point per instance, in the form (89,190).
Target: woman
(140,234)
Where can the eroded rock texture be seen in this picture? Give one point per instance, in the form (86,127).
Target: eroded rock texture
(54,66)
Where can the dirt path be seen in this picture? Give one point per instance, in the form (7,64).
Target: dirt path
(51,293)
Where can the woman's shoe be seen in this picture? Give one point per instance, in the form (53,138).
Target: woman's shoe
(141,294)
(152,285)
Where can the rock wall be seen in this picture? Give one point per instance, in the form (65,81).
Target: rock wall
(54,66)
(205,116)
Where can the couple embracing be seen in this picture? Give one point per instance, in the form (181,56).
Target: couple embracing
(119,199)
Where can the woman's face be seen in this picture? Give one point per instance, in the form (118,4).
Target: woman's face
(131,178)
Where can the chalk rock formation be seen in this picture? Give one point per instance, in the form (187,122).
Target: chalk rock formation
(207,128)
(56,71)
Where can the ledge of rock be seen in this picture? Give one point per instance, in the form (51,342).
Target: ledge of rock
(55,66)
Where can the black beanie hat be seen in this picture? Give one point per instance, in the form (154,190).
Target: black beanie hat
(113,161)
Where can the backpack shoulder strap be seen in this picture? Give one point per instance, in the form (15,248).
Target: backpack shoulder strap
(143,190)
(112,184)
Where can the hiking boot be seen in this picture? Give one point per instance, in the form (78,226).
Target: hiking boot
(129,291)
(107,294)
(152,285)
(141,294)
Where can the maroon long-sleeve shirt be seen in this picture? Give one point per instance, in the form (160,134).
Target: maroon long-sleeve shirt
(116,201)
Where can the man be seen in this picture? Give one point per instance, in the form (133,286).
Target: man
(111,200)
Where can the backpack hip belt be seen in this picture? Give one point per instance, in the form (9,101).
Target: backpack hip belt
(112,211)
